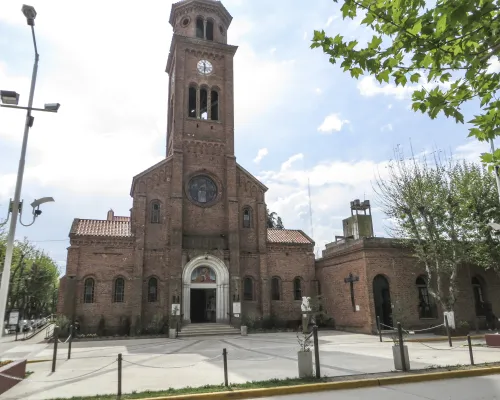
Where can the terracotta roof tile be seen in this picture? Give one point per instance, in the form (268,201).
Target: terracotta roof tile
(120,227)
(94,227)
(287,236)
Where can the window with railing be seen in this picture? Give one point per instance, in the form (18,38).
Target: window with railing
(426,306)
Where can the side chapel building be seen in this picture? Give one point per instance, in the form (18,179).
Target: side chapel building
(197,233)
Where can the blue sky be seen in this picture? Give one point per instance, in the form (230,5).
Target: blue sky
(297,116)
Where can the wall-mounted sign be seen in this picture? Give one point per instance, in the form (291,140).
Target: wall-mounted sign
(236,308)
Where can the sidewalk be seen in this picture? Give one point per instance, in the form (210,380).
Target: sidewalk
(159,364)
(481,388)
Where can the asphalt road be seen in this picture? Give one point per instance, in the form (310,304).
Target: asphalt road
(479,388)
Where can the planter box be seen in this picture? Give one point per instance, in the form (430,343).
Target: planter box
(396,354)
(244,330)
(492,340)
(15,368)
(172,333)
(305,362)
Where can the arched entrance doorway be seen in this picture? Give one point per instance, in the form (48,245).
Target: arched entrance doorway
(205,292)
(382,299)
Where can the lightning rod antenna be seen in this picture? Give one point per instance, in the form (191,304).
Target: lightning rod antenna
(310,208)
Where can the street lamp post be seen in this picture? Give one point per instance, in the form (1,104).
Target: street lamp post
(10,100)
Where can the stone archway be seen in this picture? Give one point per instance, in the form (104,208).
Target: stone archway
(221,286)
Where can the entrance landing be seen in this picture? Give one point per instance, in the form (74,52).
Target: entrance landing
(208,329)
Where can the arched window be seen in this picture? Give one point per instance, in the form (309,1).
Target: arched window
(119,290)
(275,288)
(203,103)
(297,289)
(479,296)
(192,102)
(200,28)
(426,306)
(152,290)
(247,217)
(88,290)
(155,212)
(248,289)
(214,100)
(209,34)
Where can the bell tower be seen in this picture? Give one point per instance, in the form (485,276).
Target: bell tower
(200,68)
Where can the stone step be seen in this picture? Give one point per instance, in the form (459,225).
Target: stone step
(233,332)
(209,329)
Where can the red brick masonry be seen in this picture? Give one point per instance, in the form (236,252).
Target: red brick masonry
(492,340)
(16,369)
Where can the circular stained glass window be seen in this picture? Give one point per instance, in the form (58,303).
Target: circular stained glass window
(202,189)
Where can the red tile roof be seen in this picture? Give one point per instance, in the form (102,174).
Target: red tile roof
(120,227)
(289,236)
(94,227)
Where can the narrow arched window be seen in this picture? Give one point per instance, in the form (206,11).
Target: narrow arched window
(152,290)
(297,289)
(247,218)
(214,100)
(200,28)
(426,307)
(479,296)
(155,212)
(209,33)
(275,288)
(119,290)
(248,289)
(88,290)
(203,103)
(192,102)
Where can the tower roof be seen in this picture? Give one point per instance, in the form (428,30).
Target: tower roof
(216,5)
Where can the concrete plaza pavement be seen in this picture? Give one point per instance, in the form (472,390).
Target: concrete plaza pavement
(479,388)
(159,364)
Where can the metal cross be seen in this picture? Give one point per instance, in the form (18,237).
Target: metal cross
(351,279)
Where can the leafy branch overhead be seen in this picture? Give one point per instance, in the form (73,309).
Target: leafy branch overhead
(446,47)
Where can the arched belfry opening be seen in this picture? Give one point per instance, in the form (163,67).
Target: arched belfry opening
(205,294)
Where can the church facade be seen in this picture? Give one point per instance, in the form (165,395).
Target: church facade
(196,242)
(196,237)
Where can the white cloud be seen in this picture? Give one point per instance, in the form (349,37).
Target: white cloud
(273,50)
(386,127)
(332,122)
(494,65)
(260,155)
(105,133)
(330,20)
(369,87)
(333,185)
(288,163)
(304,36)
(318,90)
(389,106)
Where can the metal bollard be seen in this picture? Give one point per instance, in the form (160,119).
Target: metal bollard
(119,395)
(401,347)
(70,340)
(379,327)
(470,350)
(448,330)
(224,357)
(56,340)
(316,351)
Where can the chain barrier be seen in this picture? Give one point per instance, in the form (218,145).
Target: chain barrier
(171,367)
(28,379)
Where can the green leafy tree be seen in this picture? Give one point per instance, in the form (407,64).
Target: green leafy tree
(34,280)
(274,221)
(446,44)
(435,209)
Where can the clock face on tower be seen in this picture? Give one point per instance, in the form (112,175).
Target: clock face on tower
(205,67)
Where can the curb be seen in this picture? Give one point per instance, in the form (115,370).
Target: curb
(36,361)
(444,338)
(319,387)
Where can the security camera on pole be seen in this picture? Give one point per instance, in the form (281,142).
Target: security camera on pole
(10,99)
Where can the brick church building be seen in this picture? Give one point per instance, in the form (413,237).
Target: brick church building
(196,241)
